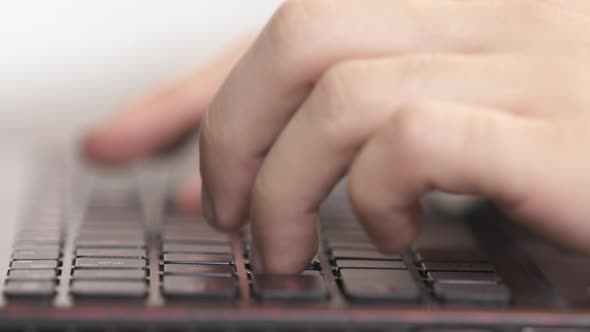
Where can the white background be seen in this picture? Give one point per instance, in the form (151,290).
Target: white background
(65,63)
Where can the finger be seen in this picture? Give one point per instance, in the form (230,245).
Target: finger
(349,103)
(302,41)
(158,121)
(188,197)
(455,148)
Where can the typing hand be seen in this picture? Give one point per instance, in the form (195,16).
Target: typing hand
(160,120)
(469,97)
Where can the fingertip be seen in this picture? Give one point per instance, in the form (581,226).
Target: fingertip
(277,254)
(106,145)
(391,228)
(188,197)
(397,231)
(218,216)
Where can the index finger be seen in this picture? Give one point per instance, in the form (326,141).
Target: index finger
(162,119)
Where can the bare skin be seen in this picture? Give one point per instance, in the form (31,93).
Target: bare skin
(469,97)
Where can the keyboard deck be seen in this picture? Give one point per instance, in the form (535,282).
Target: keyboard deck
(113,249)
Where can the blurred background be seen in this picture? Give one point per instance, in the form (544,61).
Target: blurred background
(66,63)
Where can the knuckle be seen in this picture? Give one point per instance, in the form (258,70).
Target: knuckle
(409,69)
(338,98)
(295,25)
(409,129)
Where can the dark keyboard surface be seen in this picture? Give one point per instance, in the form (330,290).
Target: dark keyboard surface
(115,249)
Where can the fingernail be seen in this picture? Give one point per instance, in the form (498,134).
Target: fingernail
(207,206)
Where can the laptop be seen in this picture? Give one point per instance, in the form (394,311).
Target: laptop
(85,249)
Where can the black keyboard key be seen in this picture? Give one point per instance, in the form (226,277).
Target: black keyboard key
(33,244)
(457,266)
(362,254)
(379,285)
(289,288)
(125,231)
(47,247)
(314,264)
(110,263)
(103,226)
(222,259)
(209,270)
(112,243)
(29,289)
(195,237)
(114,289)
(33,234)
(111,253)
(33,264)
(116,274)
(446,236)
(133,236)
(369,264)
(39,237)
(439,255)
(494,294)
(46,275)
(463,277)
(35,254)
(196,248)
(199,287)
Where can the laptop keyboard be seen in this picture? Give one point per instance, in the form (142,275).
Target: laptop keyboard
(113,251)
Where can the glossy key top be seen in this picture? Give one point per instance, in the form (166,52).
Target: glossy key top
(34,264)
(493,294)
(196,248)
(369,264)
(198,258)
(457,266)
(45,275)
(110,263)
(379,285)
(115,289)
(289,288)
(111,253)
(459,255)
(114,243)
(190,269)
(194,237)
(29,288)
(35,254)
(117,274)
(362,254)
(199,287)
(463,277)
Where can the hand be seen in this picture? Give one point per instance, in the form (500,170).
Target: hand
(469,97)
(160,120)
